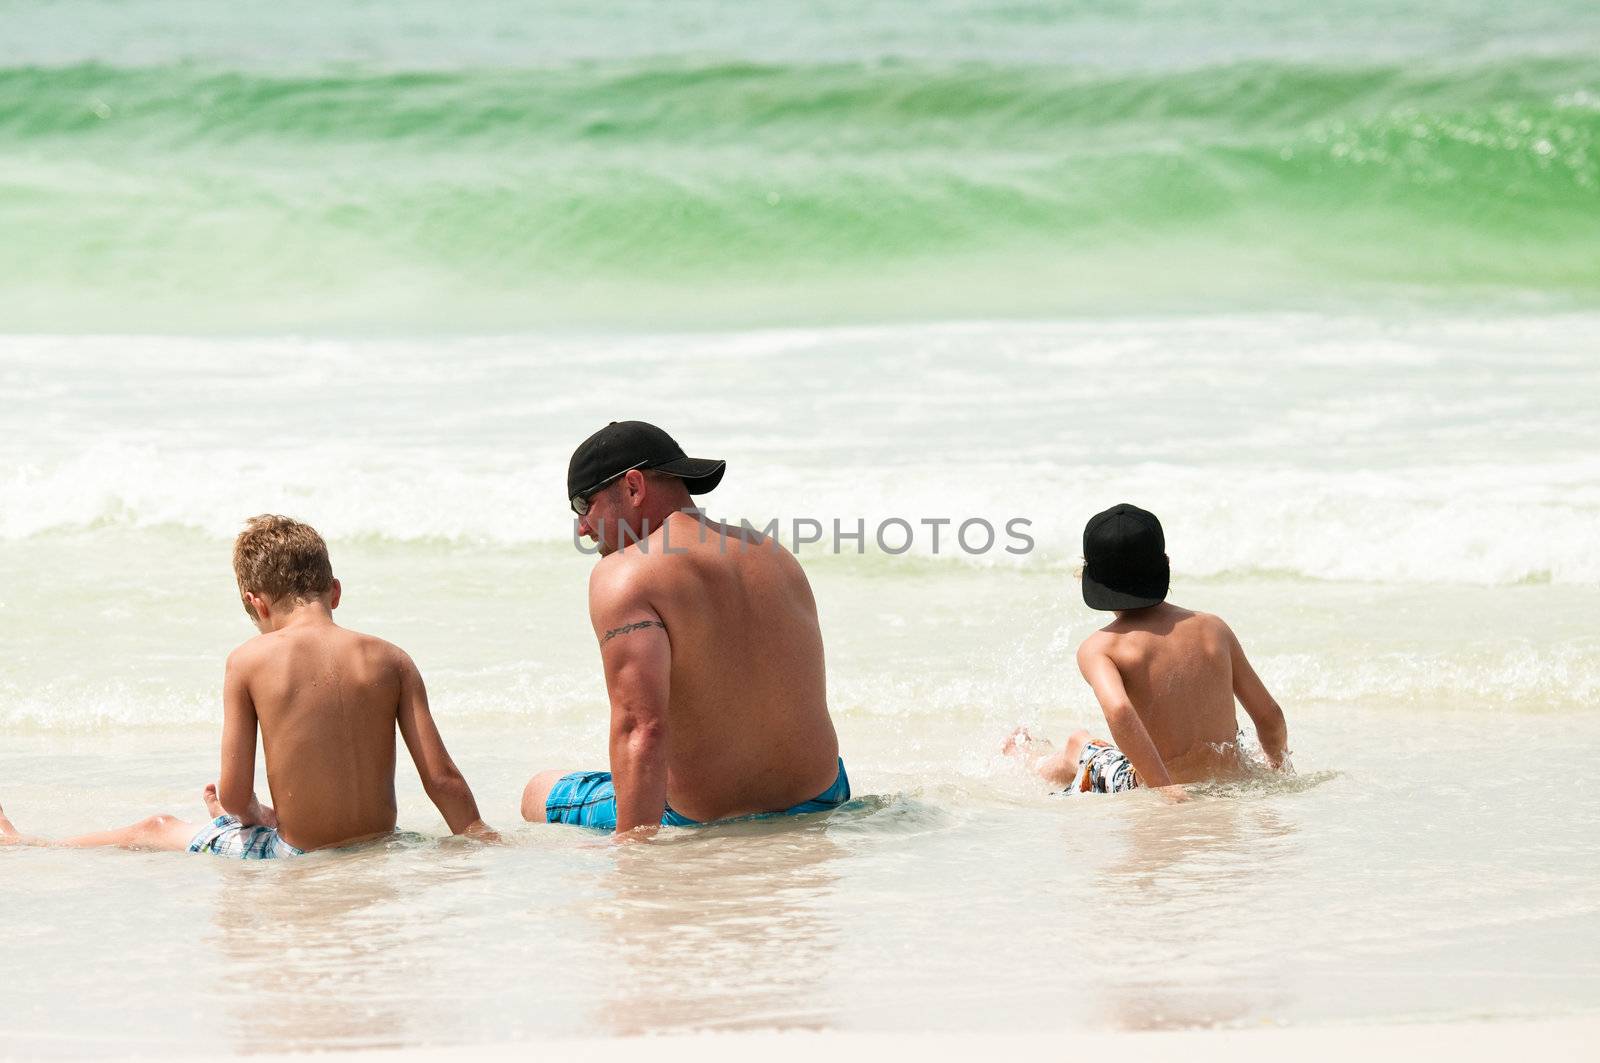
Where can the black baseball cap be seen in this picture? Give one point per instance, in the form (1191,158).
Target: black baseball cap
(622,446)
(1125,559)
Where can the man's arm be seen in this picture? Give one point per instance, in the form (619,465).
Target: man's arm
(442,781)
(236,782)
(637,656)
(1127,730)
(1271,729)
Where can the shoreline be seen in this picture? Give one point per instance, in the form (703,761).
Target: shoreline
(1545,1039)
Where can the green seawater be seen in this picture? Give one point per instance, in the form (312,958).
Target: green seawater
(169,166)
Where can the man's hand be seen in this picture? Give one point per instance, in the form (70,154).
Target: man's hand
(642,833)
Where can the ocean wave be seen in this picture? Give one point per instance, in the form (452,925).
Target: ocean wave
(1442,449)
(1468,524)
(882,106)
(607,191)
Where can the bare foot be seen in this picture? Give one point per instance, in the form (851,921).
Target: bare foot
(213,802)
(1021,743)
(8,830)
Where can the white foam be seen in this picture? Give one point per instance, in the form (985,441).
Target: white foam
(1475,524)
(1444,451)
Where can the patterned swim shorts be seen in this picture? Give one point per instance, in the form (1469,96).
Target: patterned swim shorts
(226,836)
(1104,769)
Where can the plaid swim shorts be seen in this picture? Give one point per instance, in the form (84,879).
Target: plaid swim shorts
(226,836)
(1104,769)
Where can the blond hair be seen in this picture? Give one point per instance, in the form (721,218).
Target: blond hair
(277,557)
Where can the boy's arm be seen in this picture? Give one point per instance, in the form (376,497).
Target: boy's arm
(236,783)
(1127,730)
(637,656)
(1271,729)
(442,781)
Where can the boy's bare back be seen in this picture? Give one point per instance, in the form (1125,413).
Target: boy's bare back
(1165,677)
(1179,672)
(327,700)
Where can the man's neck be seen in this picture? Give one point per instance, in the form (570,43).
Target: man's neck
(655,516)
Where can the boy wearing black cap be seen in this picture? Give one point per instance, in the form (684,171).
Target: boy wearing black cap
(1165,677)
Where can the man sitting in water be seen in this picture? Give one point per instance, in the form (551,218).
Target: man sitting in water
(711,650)
(1166,677)
(327,701)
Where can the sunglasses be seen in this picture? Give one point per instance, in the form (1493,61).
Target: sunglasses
(580,502)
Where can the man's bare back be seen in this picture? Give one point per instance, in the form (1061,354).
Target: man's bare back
(712,653)
(747,710)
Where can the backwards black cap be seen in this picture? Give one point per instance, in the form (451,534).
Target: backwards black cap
(624,445)
(1125,559)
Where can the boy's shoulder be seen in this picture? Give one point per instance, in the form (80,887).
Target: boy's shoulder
(381,655)
(251,651)
(1097,641)
(1158,626)
(271,644)
(1211,623)
(1100,643)
(373,648)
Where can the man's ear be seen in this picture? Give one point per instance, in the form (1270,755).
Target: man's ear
(633,484)
(333,602)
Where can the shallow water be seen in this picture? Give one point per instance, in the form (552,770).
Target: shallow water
(1396,887)
(1396,515)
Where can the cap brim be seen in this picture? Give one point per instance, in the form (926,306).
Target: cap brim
(1097,595)
(699,475)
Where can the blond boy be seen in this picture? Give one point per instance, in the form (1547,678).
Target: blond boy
(326,700)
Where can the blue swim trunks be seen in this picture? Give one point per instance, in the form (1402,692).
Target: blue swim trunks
(226,836)
(588,799)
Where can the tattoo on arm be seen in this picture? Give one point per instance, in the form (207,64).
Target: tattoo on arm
(626,628)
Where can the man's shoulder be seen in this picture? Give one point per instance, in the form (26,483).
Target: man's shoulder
(744,544)
(652,569)
(662,557)
(620,572)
